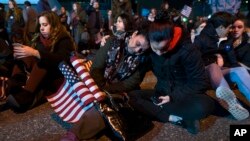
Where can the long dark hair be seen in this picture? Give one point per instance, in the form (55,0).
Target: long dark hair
(127,21)
(160,31)
(16,11)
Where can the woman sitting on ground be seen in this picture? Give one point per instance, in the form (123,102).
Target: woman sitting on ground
(117,68)
(36,65)
(241,42)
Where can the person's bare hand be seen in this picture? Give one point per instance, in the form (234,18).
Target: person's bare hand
(103,42)
(24,51)
(164,100)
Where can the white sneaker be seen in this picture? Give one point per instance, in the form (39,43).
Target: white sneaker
(231,103)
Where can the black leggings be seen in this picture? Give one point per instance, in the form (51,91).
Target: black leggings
(195,107)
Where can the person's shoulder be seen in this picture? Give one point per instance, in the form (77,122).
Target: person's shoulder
(188,47)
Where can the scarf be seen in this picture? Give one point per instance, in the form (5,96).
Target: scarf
(46,42)
(120,64)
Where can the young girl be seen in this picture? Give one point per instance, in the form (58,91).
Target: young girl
(241,42)
(121,28)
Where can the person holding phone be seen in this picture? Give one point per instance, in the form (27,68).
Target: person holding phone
(179,94)
(36,66)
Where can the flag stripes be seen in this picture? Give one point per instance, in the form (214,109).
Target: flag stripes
(83,73)
(77,93)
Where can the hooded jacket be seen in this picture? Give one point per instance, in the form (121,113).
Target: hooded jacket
(180,72)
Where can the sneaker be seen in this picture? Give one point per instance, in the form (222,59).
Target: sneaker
(192,126)
(230,103)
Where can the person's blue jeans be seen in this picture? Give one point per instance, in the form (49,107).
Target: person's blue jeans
(222,76)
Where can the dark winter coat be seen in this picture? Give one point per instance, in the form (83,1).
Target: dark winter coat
(180,72)
(100,63)
(50,60)
(242,51)
(207,43)
(95,20)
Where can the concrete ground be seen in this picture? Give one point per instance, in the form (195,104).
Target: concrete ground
(37,125)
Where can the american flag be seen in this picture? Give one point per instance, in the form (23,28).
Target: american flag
(83,73)
(186,11)
(75,97)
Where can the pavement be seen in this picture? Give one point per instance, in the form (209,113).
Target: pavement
(38,125)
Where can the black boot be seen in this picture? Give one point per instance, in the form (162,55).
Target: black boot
(192,126)
(21,102)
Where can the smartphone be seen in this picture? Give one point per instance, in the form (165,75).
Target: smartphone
(17,44)
(155,100)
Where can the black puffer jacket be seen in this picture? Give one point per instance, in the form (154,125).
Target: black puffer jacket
(207,43)
(180,72)
(243,51)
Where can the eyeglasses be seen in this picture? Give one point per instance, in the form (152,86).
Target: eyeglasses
(239,26)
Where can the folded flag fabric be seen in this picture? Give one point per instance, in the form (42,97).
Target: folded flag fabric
(73,98)
(79,87)
(83,73)
(78,91)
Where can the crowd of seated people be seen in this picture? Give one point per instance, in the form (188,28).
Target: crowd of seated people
(187,57)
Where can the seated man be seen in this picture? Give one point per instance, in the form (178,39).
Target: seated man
(221,63)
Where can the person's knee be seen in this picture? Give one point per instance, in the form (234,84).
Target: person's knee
(133,95)
(239,70)
(133,99)
(212,66)
(213,69)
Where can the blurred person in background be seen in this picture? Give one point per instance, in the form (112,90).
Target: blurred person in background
(30,18)
(14,20)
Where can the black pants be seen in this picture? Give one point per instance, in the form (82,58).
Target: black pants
(195,107)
